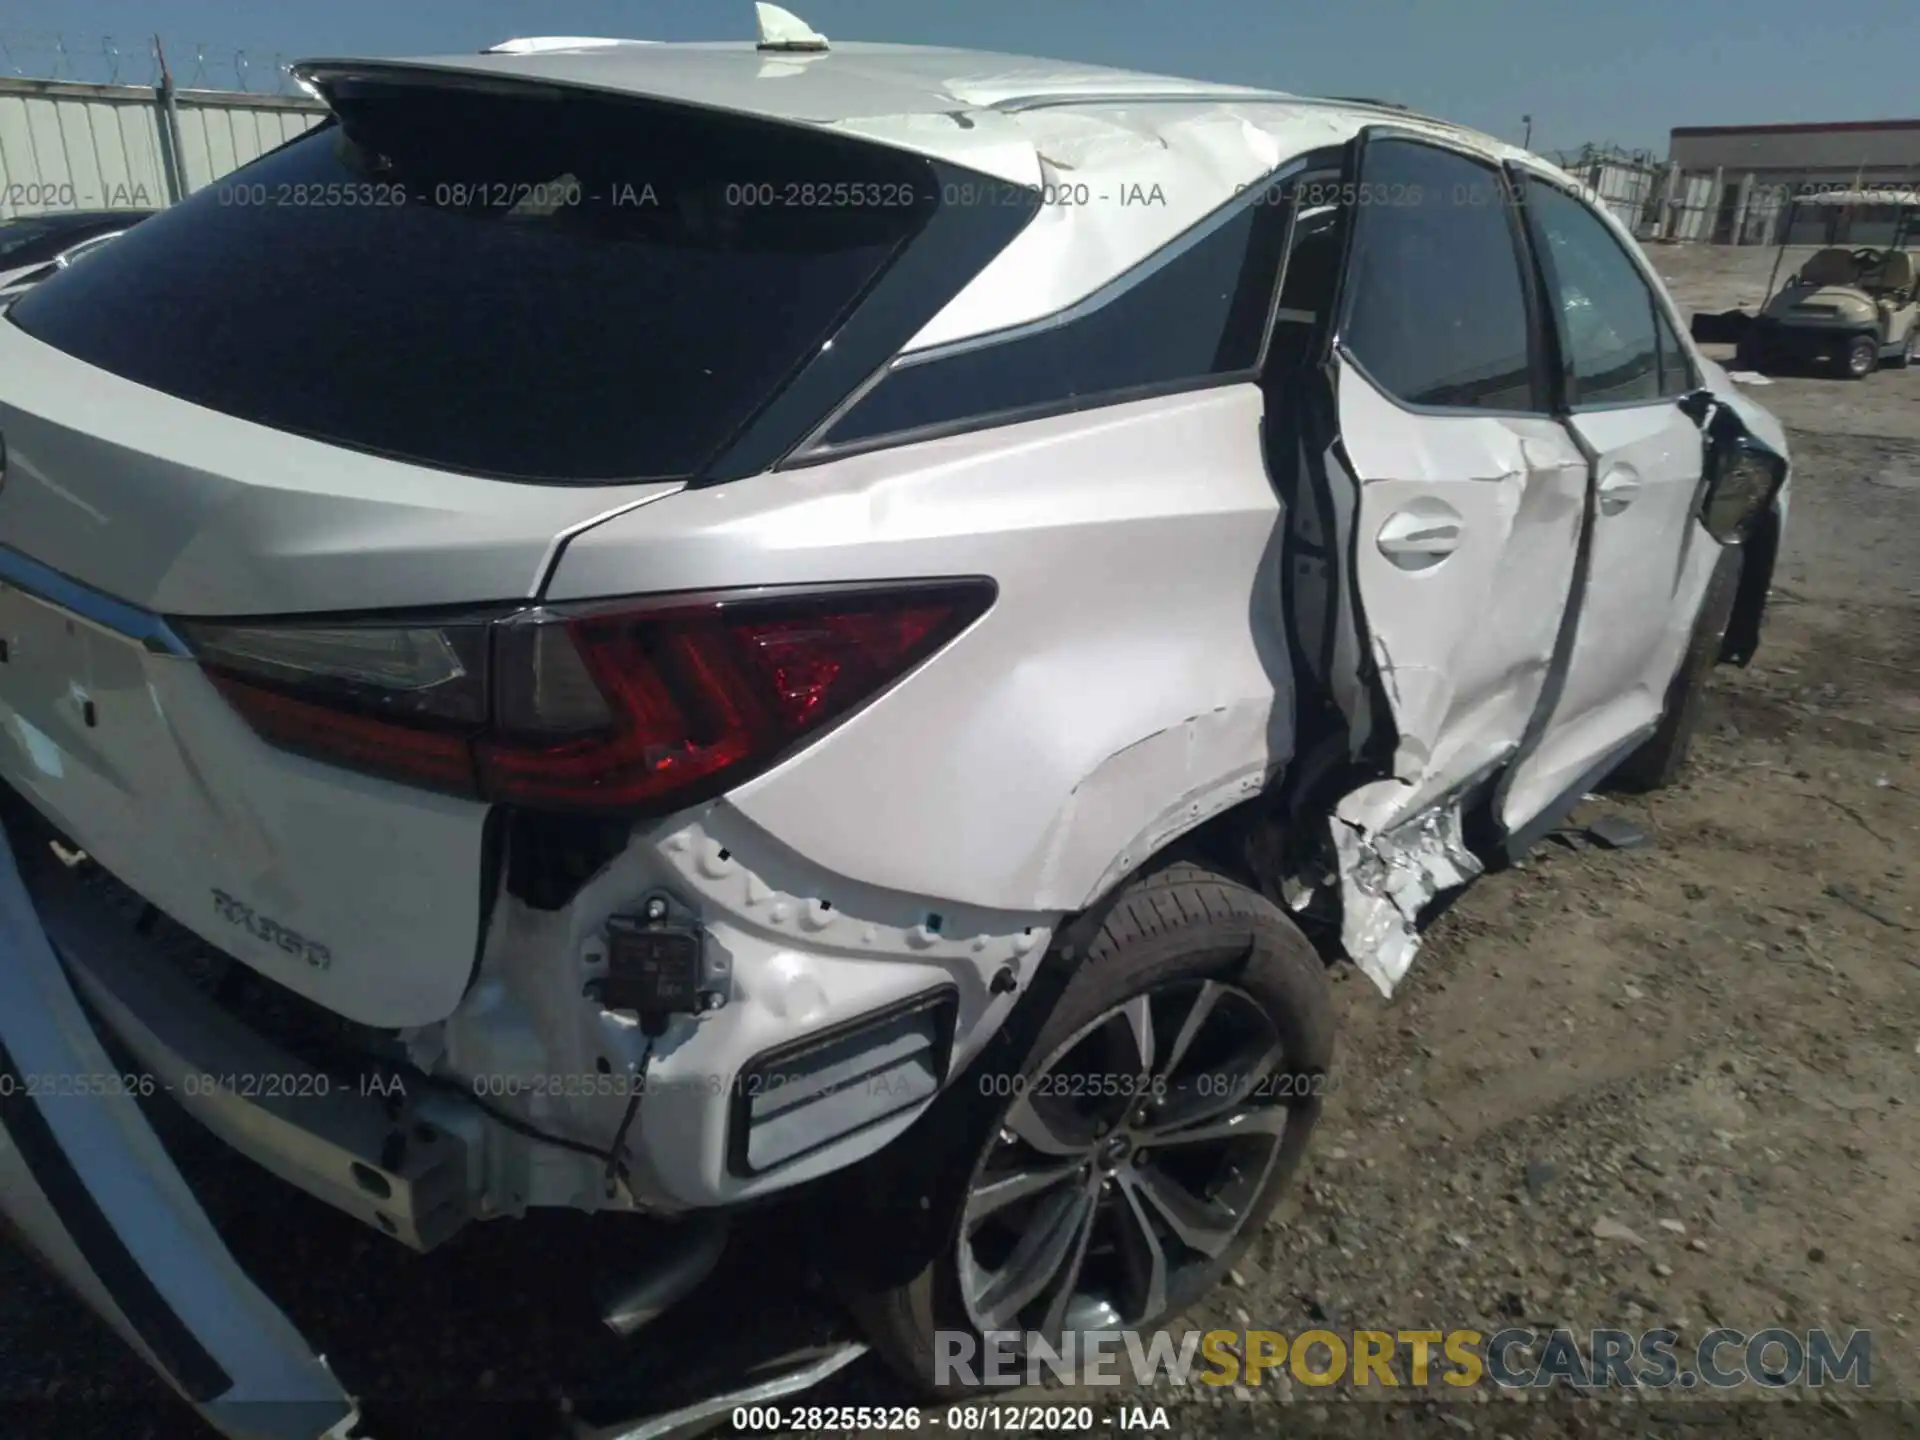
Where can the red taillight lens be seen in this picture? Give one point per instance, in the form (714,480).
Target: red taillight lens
(622,706)
(435,758)
(396,699)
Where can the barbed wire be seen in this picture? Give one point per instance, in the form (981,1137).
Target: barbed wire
(1605,152)
(108,60)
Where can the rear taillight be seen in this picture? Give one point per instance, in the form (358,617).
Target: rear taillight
(622,706)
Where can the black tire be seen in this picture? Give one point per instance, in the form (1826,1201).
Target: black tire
(1861,357)
(1181,923)
(1657,763)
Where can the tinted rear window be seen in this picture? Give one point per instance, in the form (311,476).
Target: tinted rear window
(1192,313)
(537,284)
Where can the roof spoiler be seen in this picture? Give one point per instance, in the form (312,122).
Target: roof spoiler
(540,44)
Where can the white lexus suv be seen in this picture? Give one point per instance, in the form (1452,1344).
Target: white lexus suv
(628,626)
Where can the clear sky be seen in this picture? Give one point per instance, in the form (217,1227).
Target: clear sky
(1623,71)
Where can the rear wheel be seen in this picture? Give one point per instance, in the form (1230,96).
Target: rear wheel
(1861,358)
(1162,1109)
(1660,759)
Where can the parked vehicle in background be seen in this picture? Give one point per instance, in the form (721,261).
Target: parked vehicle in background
(1852,309)
(904,657)
(37,247)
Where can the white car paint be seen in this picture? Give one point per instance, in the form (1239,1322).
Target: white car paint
(185,511)
(1080,708)
(173,508)
(1464,641)
(1642,595)
(1132,680)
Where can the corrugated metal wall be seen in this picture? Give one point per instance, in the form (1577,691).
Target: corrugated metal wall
(1693,208)
(1625,188)
(219,133)
(71,146)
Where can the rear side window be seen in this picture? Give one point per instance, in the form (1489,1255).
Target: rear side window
(1676,371)
(1606,310)
(1195,312)
(1439,312)
(540,284)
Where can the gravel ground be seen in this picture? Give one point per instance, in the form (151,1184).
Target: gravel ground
(1671,1085)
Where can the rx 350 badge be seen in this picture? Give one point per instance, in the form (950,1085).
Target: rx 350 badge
(262,927)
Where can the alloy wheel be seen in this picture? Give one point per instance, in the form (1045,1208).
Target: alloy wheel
(1128,1164)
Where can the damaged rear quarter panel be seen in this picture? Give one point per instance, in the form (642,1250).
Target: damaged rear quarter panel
(1162,786)
(1129,678)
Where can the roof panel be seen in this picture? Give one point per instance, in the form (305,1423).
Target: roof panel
(1125,161)
(854,85)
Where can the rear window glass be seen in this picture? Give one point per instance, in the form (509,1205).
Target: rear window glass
(537,284)
(1192,313)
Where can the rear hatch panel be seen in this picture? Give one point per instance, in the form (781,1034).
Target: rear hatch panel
(121,505)
(362,895)
(184,511)
(392,366)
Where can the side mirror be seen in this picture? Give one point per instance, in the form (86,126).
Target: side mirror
(1741,478)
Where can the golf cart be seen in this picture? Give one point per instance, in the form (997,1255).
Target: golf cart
(1852,308)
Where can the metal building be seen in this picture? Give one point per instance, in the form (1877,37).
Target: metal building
(1732,184)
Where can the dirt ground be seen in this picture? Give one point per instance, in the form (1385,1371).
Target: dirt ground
(1708,1049)
(1721,1030)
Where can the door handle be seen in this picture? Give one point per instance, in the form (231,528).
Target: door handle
(1419,537)
(1618,489)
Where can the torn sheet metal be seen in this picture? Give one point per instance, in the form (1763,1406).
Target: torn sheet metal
(1387,879)
(1121,180)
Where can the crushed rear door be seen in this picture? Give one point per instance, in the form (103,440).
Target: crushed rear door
(1449,500)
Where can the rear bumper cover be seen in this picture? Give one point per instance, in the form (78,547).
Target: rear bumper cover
(86,1182)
